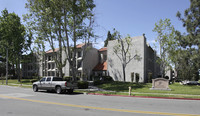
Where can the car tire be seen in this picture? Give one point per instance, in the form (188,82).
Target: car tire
(35,88)
(70,91)
(58,90)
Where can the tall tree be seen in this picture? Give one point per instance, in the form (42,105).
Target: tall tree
(64,22)
(185,64)
(166,39)
(13,38)
(190,40)
(109,37)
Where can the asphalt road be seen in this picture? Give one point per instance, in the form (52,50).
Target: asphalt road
(15,101)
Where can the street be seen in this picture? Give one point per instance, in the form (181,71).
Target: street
(16,101)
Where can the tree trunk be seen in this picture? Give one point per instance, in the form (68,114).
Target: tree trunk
(124,72)
(18,69)
(60,55)
(13,70)
(74,51)
(74,74)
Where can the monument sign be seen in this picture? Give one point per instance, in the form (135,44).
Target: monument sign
(160,84)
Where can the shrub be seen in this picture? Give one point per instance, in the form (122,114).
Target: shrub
(98,82)
(69,78)
(95,78)
(33,80)
(107,78)
(83,85)
(12,77)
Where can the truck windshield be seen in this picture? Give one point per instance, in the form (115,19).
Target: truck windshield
(57,79)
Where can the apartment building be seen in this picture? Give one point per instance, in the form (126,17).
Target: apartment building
(87,58)
(101,68)
(49,67)
(45,65)
(31,65)
(141,68)
(102,62)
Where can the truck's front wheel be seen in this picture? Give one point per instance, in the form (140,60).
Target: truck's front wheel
(58,89)
(35,88)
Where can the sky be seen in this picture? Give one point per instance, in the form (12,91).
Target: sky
(133,17)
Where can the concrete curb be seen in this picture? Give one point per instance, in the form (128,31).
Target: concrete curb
(143,96)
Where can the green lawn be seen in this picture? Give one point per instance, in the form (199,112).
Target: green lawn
(140,89)
(148,95)
(144,88)
(15,81)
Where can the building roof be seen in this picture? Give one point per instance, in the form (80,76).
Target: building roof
(56,49)
(80,45)
(101,67)
(50,51)
(103,49)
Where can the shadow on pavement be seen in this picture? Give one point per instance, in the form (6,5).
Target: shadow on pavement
(64,93)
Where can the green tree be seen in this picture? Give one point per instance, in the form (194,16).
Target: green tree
(13,38)
(167,43)
(64,22)
(185,67)
(110,36)
(190,41)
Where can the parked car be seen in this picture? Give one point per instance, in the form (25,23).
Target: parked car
(186,82)
(54,84)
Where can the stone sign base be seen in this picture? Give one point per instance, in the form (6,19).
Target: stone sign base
(160,84)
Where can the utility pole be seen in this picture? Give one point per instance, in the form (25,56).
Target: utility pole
(6,66)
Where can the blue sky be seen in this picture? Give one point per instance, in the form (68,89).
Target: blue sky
(133,17)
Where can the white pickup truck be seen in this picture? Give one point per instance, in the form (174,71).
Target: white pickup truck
(54,83)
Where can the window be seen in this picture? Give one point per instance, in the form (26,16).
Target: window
(79,54)
(104,57)
(49,66)
(53,73)
(52,66)
(79,64)
(48,73)
(57,79)
(48,79)
(132,76)
(49,58)
(43,79)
